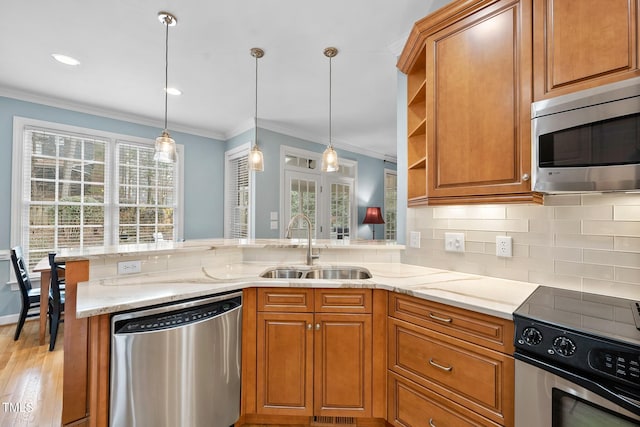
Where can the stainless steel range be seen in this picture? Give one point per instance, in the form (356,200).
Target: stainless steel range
(577,360)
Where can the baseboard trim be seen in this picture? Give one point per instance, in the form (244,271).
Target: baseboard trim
(13,318)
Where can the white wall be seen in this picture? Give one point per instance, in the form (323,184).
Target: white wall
(582,242)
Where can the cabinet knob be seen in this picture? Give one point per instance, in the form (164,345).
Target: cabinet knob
(526,177)
(309,326)
(317,326)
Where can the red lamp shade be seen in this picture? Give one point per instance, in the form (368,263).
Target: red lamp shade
(373,216)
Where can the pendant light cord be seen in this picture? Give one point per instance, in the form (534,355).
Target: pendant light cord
(255,117)
(330,141)
(167,21)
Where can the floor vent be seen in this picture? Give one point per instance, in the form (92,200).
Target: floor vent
(333,421)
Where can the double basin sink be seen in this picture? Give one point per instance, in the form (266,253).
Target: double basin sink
(317,272)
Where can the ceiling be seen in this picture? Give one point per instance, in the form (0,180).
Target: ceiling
(120,44)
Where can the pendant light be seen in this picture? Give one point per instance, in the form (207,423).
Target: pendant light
(165,145)
(330,157)
(256,160)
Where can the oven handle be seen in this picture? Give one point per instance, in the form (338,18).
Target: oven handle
(623,397)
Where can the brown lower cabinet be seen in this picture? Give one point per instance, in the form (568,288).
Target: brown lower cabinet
(318,353)
(438,379)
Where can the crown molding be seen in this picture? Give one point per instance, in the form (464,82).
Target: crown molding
(104,112)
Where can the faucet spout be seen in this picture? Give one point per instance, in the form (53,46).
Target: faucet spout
(310,256)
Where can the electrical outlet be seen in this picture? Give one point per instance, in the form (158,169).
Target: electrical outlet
(129,267)
(504,246)
(454,242)
(414,239)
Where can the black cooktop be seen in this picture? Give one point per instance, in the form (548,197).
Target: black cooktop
(612,318)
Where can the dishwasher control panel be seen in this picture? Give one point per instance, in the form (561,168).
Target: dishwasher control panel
(176,318)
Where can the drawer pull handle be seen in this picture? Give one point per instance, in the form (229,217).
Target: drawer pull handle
(439,366)
(441,319)
(431,424)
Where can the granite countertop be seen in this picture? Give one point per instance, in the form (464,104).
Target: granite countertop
(493,296)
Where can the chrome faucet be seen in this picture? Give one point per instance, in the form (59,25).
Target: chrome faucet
(310,256)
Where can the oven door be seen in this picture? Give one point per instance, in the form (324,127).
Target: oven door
(544,399)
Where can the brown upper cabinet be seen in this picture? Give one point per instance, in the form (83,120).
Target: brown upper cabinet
(469,81)
(582,44)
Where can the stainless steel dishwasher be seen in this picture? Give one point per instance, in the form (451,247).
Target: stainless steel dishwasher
(178,364)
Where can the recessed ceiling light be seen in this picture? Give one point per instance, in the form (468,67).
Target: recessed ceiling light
(64,59)
(173,91)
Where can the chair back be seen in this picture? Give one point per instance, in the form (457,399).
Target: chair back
(20,269)
(54,288)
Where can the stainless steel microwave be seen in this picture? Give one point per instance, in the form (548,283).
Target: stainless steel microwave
(588,140)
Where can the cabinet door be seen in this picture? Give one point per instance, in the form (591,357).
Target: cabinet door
(285,363)
(478,77)
(581,44)
(343,365)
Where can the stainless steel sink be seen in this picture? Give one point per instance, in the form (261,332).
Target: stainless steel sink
(340,273)
(335,273)
(282,273)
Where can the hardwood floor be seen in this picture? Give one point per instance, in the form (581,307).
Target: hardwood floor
(30,378)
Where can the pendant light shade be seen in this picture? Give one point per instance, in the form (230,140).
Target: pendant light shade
(330,157)
(256,160)
(165,145)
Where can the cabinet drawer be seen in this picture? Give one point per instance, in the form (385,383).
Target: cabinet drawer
(285,300)
(472,376)
(411,405)
(343,300)
(488,331)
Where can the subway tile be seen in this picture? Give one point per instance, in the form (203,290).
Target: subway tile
(556,280)
(555,253)
(481,236)
(628,275)
(543,239)
(470,212)
(611,199)
(611,228)
(554,226)
(608,287)
(582,241)
(603,272)
(584,212)
(631,244)
(562,200)
(529,212)
(617,258)
(531,264)
(504,225)
(627,213)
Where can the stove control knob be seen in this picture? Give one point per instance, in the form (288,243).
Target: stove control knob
(531,336)
(564,346)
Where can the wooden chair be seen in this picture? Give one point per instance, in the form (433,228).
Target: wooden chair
(56,300)
(30,296)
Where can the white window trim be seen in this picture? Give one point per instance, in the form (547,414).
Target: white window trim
(241,150)
(19,193)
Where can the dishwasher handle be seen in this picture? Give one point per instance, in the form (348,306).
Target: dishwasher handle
(176,318)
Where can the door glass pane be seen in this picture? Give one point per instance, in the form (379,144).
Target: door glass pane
(303,198)
(340,211)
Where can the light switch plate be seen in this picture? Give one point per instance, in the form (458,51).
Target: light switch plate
(454,242)
(274,216)
(129,267)
(274,225)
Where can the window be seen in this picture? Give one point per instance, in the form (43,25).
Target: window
(79,188)
(390,204)
(238,196)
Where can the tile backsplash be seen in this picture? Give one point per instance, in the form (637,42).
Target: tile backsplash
(588,242)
